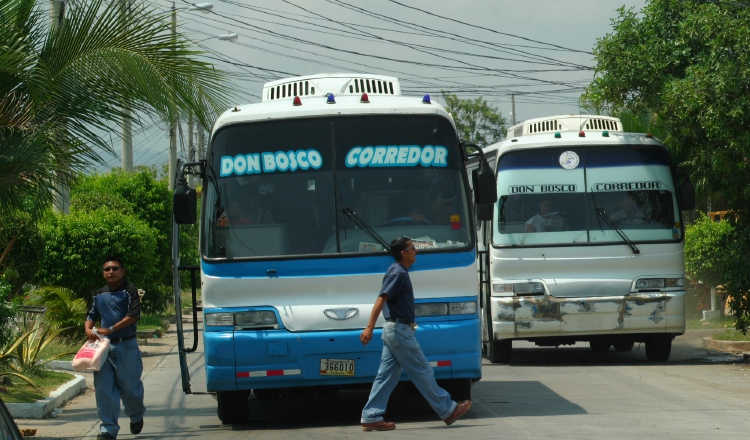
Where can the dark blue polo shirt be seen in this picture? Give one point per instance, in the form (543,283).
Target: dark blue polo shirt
(397,285)
(112,305)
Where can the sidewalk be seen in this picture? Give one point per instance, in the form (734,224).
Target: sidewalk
(79,418)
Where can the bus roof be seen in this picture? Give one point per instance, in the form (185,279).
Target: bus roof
(331,94)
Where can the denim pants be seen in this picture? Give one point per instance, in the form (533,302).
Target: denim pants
(120,378)
(401,352)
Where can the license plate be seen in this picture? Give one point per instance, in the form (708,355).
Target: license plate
(337,367)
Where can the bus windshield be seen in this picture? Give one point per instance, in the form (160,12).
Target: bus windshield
(277,188)
(580,196)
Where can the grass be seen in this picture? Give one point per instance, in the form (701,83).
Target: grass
(150,322)
(720,323)
(19,391)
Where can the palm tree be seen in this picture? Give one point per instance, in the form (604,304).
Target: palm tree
(61,87)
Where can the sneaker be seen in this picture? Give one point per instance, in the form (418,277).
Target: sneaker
(461,408)
(135,428)
(105,436)
(381,425)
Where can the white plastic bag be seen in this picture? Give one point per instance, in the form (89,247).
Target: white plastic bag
(92,355)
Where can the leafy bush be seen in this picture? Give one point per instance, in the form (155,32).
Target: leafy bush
(20,235)
(64,309)
(76,245)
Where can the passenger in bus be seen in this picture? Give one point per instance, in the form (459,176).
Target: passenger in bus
(545,220)
(401,350)
(243,209)
(630,213)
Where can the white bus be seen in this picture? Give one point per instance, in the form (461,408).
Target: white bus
(301,195)
(586,239)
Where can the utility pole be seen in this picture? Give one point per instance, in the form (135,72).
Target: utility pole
(127,122)
(56,17)
(513,109)
(173,124)
(191,147)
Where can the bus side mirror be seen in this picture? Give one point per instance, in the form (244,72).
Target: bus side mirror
(484,212)
(185,203)
(485,187)
(686,195)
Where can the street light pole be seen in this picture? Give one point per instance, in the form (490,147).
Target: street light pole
(127,122)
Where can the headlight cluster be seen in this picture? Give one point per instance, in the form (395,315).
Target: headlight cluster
(254,319)
(659,283)
(442,309)
(526,288)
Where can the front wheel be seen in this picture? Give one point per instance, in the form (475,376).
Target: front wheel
(659,347)
(233,406)
(624,346)
(459,389)
(499,352)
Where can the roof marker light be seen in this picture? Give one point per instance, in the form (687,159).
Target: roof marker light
(581,134)
(605,134)
(364,99)
(426,100)
(558,135)
(331,99)
(649,135)
(297,101)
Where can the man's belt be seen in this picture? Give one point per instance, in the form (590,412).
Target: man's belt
(122,339)
(413,325)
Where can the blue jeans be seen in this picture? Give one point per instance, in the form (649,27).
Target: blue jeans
(120,378)
(401,352)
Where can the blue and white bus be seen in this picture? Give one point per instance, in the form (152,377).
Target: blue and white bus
(586,239)
(301,195)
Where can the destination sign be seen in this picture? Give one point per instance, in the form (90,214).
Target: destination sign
(541,189)
(626,186)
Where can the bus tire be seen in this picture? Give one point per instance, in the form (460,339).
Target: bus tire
(459,389)
(599,345)
(624,346)
(659,347)
(233,406)
(499,352)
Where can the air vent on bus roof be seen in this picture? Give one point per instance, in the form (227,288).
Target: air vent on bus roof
(338,84)
(601,124)
(544,126)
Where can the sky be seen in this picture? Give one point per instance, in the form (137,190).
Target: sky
(538,51)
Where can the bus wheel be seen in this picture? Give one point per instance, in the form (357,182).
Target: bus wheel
(658,347)
(233,406)
(599,345)
(499,352)
(267,393)
(623,346)
(459,389)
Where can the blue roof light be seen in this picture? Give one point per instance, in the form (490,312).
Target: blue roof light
(331,99)
(426,100)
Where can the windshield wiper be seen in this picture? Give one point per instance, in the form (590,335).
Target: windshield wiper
(625,239)
(365,227)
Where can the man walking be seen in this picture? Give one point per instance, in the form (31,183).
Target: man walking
(401,351)
(118,307)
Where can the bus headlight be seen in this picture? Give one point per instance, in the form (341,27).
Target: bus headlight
(527,288)
(659,283)
(442,309)
(255,319)
(223,319)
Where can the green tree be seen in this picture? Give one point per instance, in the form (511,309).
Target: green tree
(705,244)
(61,87)
(688,63)
(477,121)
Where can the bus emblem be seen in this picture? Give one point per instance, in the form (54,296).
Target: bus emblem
(341,313)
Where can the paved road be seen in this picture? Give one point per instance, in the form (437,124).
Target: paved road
(564,393)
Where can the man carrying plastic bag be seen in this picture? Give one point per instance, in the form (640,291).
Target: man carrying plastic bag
(118,307)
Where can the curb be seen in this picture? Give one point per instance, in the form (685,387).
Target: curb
(41,408)
(714,344)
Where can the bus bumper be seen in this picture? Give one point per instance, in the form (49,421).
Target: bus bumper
(529,317)
(242,360)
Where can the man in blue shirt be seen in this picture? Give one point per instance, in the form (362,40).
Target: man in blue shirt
(401,351)
(118,307)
